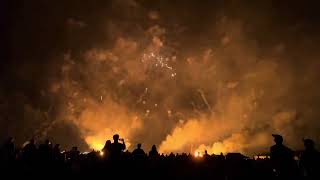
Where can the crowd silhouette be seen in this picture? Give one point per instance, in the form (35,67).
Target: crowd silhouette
(115,161)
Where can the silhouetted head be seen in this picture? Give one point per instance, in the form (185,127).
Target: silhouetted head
(154,148)
(57,146)
(116,137)
(107,145)
(32,141)
(74,148)
(308,143)
(205,152)
(277,138)
(108,142)
(139,146)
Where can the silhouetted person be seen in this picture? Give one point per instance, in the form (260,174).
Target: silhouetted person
(45,151)
(310,160)
(153,153)
(92,156)
(8,151)
(117,148)
(138,153)
(106,149)
(282,158)
(127,155)
(206,156)
(29,151)
(74,154)
(56,153)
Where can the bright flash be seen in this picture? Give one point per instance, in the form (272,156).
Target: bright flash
(198,154)
(101,153)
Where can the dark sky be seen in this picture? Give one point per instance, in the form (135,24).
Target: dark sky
(36,34)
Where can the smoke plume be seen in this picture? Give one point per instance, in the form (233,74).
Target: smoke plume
(186,76)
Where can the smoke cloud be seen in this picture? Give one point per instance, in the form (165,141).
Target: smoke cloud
(186,76)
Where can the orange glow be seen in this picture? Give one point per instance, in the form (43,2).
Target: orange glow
(101,153)
(216,148)
(99,122)
(95,142)
(198,154)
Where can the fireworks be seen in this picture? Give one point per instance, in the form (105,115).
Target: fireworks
(154,60)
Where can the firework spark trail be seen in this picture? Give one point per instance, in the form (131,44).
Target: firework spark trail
(205,99)
(141,98)
(155,60)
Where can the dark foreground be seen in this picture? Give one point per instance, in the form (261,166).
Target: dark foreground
(231,166)
(163,167)
(113,162)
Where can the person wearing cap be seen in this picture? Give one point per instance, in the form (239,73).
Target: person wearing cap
(310,160)
(282,158)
